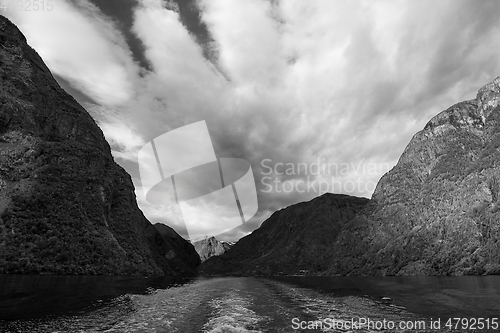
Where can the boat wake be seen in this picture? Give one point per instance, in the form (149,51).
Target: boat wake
(231,313)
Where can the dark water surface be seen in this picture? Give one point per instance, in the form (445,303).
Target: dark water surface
(36,296)
(430,296)
(245,304)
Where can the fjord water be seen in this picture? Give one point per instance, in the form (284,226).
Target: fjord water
(236,304)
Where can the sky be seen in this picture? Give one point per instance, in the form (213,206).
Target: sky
(317,96)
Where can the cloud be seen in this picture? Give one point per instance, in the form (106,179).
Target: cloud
(83,47)
(345,83)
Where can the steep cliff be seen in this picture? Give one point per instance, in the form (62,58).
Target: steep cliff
(210,247)
(291,241)
(437,211)
(65,206)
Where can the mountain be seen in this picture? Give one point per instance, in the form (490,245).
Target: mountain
(210,247)
(65,206)
(291,240)
(437,212)
(183,255)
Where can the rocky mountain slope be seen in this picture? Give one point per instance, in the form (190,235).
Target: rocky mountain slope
(294,239)
(210,247)
(65,206)
(437,212)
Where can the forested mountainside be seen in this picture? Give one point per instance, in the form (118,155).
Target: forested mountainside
(65,206)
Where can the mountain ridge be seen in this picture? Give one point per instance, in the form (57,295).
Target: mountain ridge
(436,211)
(284,244)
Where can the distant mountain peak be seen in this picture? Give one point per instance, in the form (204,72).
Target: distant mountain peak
(210,246)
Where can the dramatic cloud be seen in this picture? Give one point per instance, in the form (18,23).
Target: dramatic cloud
(81,46)
(317,95)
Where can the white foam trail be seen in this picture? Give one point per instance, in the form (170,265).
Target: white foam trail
(232,314)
